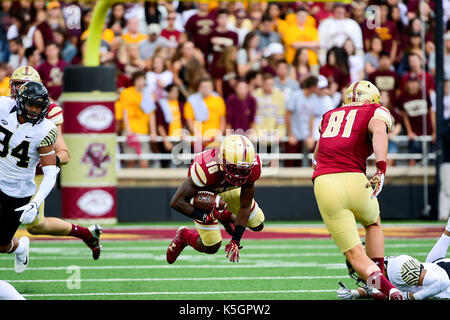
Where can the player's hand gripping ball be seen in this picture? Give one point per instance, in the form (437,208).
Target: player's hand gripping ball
(206,201)
(213,205)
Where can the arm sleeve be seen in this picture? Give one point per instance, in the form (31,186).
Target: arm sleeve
(50,138)
(433,284)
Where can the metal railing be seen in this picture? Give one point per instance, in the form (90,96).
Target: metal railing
(401,140)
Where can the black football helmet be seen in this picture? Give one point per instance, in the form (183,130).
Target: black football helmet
(32,93)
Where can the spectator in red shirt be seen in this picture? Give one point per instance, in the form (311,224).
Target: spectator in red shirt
(336,70)
(241,108)
(387,31)
(397,127)
(51,71)
(225,72)
(413,106)
(321,11)
(385,78)
(200,26)
(221,37)
(415,65)
(170,32)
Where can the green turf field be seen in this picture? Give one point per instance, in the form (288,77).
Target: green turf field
(279,269)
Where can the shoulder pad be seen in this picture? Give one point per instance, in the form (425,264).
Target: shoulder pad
(383,114)
(55,114)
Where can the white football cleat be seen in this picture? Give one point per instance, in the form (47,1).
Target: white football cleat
(22,260)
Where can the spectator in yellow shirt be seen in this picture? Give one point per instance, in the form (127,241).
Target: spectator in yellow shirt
(205,112)
(270,110)
(133,35)
(301,35)
(269,122)
(137,120)
(169,113)
(4,80)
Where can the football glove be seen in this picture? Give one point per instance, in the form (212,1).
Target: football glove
(215,214)
(232,250)
(377,179)
(29,213)
(345,293)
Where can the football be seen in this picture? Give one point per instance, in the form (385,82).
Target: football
(206,201)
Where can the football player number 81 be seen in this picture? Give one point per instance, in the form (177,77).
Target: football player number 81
(335,122)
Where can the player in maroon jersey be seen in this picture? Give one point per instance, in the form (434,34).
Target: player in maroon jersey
(230,171)
(348,136)
(49,225)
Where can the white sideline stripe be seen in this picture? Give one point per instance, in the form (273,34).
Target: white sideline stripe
(259,247)
(197,257)
(174,293)
(223,266)
(183,279)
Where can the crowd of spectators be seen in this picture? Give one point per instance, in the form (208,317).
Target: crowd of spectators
(267,69)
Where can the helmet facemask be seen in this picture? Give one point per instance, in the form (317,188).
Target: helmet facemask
(237,174)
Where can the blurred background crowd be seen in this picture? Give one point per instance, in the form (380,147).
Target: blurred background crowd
(266,69)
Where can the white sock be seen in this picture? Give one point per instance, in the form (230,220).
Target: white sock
(8,292)
(440,249)
(20,249)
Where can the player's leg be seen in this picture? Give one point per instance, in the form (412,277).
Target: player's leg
(233,200)
(206,239)
(334,200)
(440,248)
(9,223)
(367,212)
(58,227)
(8,292)
(444,192)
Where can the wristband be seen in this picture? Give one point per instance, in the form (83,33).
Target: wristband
(58,161)
(238,232)
(381,165)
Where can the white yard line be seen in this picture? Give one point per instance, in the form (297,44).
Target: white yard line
(182,279)
(109,247)
(189,257)
(175,293)
(256,265)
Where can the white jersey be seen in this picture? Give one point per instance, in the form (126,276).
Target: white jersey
(19,154)
(404,273)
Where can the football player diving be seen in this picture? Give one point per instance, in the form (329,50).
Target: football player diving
(349,134)
(43,225)
(416,280)
(231,171)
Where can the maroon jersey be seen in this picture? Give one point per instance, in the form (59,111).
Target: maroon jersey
(206,172)
(219,41)
(52,77)
(200,28)
(345,144)
(415,108)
